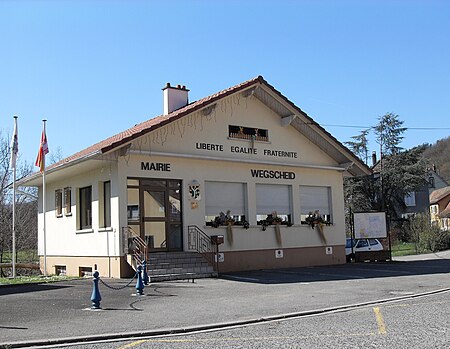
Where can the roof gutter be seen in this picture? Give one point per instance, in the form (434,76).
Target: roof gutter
(36,175)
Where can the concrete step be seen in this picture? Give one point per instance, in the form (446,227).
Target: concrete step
(197,270)
(180,276)
(169,265)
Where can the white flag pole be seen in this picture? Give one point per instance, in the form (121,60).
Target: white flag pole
(14,225)
(43,205)
(14,150)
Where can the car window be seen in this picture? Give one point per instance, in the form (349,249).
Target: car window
(373,242)
(348,243)
(362,243)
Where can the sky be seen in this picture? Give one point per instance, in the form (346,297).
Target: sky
(95,68)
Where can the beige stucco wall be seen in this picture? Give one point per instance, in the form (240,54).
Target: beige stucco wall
(183,135)
(177,145)
(253,238)
(63,238)
(106,266)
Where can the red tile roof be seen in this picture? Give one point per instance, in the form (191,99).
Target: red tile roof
(439,194)
(152,124)
(446,212)
(143,128)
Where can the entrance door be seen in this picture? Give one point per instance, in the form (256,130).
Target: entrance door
(161,214)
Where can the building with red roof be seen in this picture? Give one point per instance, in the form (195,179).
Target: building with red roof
(245,164)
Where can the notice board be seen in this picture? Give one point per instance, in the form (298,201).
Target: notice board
(370,225)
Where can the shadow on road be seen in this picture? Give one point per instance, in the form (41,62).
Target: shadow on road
(341,272)
(5,290)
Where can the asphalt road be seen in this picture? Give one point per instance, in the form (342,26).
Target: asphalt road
(58,313)
(412,323)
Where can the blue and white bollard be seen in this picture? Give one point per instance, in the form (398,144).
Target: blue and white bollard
(139,283)
(95,297)
(145,278)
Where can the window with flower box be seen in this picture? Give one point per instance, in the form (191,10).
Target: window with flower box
(249,133)
(224,197)
(315,198)
(273,200)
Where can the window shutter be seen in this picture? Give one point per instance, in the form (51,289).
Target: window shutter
(273,197)
(223,196)
(314,198)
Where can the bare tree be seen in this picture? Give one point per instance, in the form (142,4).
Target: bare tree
(55,156)
(26,207)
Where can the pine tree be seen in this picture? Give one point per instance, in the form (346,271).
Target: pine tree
(389,134)
(360,145)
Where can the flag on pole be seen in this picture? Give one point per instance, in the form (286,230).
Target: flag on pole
(14,145)
(43,150)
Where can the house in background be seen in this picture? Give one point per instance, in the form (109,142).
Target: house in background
(435,180)
(440,208)
(419,201)
(245,164)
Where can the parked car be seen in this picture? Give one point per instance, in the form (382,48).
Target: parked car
(361,245)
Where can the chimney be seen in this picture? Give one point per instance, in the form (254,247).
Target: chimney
(374,158)
(174,98)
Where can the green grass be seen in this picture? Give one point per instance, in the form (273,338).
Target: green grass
(33,279)
(23,256)
(403,249)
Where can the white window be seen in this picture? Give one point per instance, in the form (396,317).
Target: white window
(410,199)
(273,199)
(104,204)
(434,209)
(313,199)
(223,197)
(85,208)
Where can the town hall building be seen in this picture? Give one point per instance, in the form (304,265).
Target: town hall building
(245,166)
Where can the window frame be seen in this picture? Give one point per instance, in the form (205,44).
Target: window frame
(106,204)
(68,201)
(85,212)
(238,218)
(410,199)
(327,218)
(58,203)
(248,133)
(267,217)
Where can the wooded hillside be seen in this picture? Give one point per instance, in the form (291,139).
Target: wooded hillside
(439,155)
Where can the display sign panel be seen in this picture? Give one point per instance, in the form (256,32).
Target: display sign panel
(370,225)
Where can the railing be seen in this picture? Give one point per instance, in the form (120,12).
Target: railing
(136,246)
(200,242)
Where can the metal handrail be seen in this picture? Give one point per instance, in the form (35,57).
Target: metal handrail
(201,242)
(138,245)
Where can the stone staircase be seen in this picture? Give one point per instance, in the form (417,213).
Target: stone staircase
(168,266)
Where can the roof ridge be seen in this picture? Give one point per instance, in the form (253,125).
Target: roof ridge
(146,126)
(125,137)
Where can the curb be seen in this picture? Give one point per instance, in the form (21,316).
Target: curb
(210,327)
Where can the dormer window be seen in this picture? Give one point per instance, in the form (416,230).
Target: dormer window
(250,133)
(431,181)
